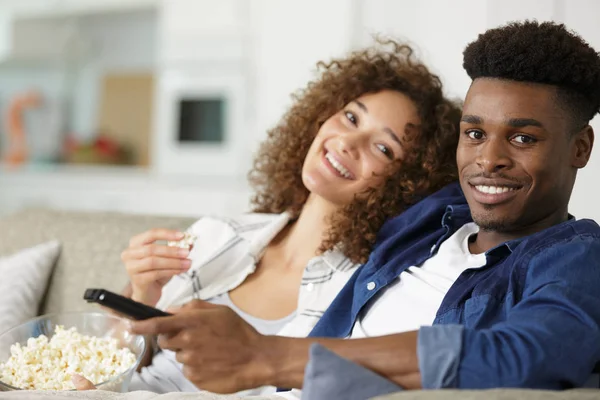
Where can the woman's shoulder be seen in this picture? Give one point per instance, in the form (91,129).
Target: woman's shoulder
(236,224)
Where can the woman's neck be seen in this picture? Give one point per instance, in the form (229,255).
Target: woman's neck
(302,239)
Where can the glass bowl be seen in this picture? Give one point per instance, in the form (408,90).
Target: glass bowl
(87,323)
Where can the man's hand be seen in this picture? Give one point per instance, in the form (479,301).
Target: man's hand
(219,350)
(222,353)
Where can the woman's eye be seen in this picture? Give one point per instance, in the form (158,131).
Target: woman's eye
(524,139)
(386,151)
(351,117)
(475,135)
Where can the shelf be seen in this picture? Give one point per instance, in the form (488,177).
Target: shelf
(73,8)
(64,175)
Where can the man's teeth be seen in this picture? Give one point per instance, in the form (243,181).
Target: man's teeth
(494,189)
(339,167)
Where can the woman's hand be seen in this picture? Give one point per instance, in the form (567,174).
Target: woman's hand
(82,383)
(150,266)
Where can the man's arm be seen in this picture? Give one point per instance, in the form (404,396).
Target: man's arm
(240,358)
(549,340)
(393,357)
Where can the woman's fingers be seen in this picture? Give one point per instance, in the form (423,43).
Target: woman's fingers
(157,264)
(160,276)
(153,250)
(82,383)
(155,234)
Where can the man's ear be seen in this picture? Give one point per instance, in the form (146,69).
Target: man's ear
(583,142)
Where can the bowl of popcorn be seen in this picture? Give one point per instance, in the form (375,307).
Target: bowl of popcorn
(45,352)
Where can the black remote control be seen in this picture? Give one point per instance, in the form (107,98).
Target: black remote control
(122,305)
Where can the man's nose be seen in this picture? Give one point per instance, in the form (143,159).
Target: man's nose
(493,156)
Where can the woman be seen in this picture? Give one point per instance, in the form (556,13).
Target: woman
(366,140)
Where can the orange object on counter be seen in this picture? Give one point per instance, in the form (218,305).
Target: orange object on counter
(17,152)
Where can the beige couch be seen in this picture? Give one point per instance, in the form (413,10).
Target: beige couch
(90,257)
(91,248)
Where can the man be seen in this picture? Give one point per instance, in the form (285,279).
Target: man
(512,292)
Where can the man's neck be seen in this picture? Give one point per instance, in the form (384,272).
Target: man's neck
(488,239)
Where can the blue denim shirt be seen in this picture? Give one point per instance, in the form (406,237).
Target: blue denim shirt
(529,318)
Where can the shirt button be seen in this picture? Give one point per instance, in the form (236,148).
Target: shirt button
(310,287)
(370,285)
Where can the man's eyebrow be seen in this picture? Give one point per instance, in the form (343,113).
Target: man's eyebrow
(523,122)
(513,122)
(472,119)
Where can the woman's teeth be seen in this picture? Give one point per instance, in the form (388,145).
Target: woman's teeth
(494,189)
(338,167)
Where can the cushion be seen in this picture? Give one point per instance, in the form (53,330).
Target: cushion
(91,243)
(329,376)
(24,277)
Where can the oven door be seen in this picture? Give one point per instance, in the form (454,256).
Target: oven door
(200,126)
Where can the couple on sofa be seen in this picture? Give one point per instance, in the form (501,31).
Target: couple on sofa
(439,243)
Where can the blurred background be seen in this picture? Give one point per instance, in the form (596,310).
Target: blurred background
(157,106)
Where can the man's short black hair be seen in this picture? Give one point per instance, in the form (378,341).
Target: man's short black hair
(546,53)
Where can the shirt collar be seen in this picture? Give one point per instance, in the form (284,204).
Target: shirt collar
(260,238)
(337,261)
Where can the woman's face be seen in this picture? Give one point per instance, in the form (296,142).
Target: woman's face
(355,148)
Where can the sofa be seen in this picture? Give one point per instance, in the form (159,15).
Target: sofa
(90,257)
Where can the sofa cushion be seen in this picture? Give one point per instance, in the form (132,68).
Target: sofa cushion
(91,248)
(494,394)
(24,277)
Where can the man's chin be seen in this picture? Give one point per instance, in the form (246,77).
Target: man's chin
(493,223)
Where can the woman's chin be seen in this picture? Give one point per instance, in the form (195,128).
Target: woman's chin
(327,197)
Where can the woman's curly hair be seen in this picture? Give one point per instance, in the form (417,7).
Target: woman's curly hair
(429,164)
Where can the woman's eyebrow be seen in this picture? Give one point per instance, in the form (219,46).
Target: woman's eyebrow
(361,106)
(387,130)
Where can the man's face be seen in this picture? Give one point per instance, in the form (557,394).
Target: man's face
(517,156)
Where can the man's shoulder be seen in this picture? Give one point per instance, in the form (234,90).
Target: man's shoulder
(569,231)
(571,238)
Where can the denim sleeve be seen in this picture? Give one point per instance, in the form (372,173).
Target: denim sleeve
(550,338)
(438,350)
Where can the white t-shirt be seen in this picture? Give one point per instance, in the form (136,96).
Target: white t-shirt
(415,297)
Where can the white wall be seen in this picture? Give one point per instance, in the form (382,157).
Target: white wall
(290,37)
(283,40)
(582,16)
(439,30)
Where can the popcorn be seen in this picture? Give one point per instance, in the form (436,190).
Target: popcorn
(186,243)
(49,364)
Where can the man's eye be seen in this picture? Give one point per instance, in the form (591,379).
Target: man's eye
(386,151)
(475,135)
(524,139)
(351,117)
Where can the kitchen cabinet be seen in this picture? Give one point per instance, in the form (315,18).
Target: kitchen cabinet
(203,30)
(65,8)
